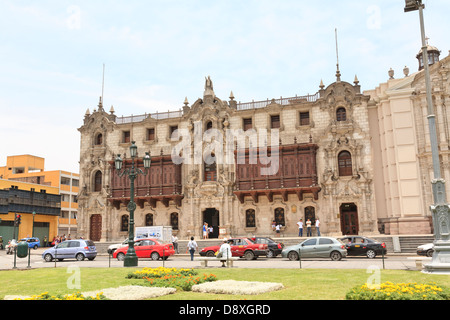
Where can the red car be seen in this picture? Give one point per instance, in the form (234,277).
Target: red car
(147,248)
(240,247)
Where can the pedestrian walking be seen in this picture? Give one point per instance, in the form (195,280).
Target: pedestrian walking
(308,228)
(192,246)
(318,227)
(300,228)
(175,243)
(205,230)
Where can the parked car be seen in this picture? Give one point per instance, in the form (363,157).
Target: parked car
(240,247)
(147,248)
(114,247)
(274,248)
(71,249)
(317,247)
(362,246)
(32,242)
(426,250)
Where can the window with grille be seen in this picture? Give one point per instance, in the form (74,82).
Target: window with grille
(151,134)
(304,118)
(247,124)
(345,163)
(126,135)
(341,114)
(275,121)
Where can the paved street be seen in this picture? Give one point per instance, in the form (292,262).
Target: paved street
(399,262)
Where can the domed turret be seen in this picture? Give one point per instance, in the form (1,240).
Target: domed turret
(433,56)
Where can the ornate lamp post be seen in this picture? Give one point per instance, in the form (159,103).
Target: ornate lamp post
(131,260)
(440,210)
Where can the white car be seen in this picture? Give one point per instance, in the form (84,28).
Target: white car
(114,247)
(426,250)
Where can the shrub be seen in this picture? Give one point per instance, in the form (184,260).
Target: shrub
(399,291)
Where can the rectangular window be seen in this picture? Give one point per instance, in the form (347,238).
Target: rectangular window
(275,121)
(65,181)
(75,182)
(126,136)
(151,134)
(247,124)
(304,118)
(172,129)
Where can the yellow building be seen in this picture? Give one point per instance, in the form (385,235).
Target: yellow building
(29,168)
(25,198)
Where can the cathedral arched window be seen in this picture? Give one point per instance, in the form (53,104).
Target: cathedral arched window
(124,222)
(345,163)
(250,221)
(279,216)
(98,181)
(210,168)
(341,114)
(174,220)
(99,139)
(149,220)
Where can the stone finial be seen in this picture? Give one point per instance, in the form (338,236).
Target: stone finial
(111,110)
(231,96)
(209,91)
(356,81)
(186,102)
(406,71)
(391,74)
(88,113)
(321,86)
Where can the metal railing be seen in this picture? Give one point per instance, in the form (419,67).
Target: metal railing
(240,106)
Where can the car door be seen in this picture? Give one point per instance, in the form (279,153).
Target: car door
(324,247)
(61,250)
(358,246)
(73,248)
(140,248)
(307,248)
(237,249)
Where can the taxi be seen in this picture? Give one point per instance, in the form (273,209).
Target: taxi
(240,247)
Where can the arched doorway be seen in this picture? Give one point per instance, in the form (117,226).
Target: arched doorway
(211,217)
(349,218)
(95,232)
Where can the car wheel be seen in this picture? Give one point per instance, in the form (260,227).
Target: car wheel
(293,256)
(35,247)
(121,256)
(249,255)
(48,257)
(80,257)
(371,254)
(270,254)
(430,253)
(154,256)
(210,254)
(335,256)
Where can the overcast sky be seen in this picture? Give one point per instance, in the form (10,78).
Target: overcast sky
(158,52)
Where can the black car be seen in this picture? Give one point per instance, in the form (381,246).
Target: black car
(274,248)
(362,246)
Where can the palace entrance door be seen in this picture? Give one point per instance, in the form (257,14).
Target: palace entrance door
(211,217)
(349,218)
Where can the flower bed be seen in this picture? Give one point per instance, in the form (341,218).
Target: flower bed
(181,279)
(73,296)
(237,287)
(399,291)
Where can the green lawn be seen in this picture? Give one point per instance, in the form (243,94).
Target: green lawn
(300,284)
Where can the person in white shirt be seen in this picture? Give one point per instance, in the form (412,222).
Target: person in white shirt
(225,251)
(318,227)
(300,228)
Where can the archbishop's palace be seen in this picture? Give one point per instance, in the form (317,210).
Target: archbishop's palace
(358,161)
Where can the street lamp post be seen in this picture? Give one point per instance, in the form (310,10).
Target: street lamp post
(440,210)
(131,260)
(32,236)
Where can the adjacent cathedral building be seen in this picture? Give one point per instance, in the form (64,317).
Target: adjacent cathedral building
(358,161)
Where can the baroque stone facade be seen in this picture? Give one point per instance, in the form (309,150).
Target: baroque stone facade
(360,162)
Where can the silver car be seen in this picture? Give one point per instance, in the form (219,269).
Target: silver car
(317,247)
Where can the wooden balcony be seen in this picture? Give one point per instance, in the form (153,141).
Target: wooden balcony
(296,174)
(162,183)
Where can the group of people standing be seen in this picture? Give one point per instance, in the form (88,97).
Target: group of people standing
(308,227)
